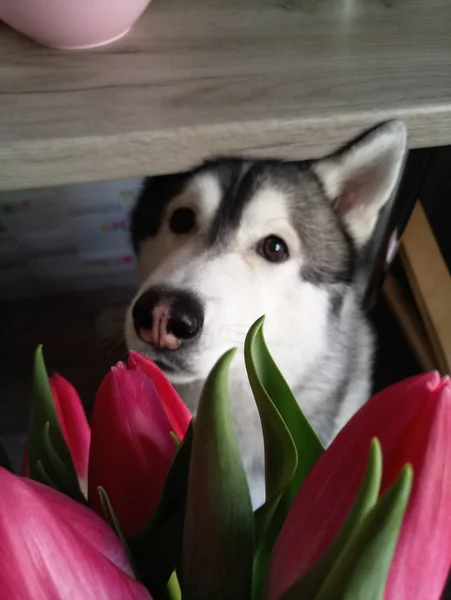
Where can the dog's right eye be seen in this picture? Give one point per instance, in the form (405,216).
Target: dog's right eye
(183,220)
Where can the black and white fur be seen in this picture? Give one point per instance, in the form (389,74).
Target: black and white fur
(326,211)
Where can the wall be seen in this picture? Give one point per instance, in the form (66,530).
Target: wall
(66,239)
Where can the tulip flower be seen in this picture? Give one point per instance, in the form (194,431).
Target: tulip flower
(412,420)
(176,409)
(74,428)
(54,548)
(135,413)
(73,424)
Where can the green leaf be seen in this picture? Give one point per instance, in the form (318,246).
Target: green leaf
(174,591)
(268,522)
(57,470)
(175,439)
(218,534)
(361,571)
(281,462)
(310,583)
(4,459)
(46,441)
(157,548)
(267,382)
(43,410)
(291,446)
(45,478)
(112,519)
(175,486)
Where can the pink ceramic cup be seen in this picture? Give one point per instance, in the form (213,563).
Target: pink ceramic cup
(72,24)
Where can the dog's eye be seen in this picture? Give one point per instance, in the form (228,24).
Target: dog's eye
(183,220)
(273,249)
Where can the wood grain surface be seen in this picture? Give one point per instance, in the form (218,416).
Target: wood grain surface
(430,281)
(194,78)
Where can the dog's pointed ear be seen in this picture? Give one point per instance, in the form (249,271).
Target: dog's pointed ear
(362,177)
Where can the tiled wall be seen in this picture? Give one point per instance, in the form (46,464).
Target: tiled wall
(65,239)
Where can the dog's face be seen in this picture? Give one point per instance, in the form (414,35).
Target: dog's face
(235,239)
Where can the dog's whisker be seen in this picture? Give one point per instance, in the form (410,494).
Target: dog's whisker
(110,329)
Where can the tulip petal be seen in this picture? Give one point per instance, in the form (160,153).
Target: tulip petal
(425,542)
(52,547)
(99,535)
(74,425)
(313,522)
(176,409)
(131,447)
(218,532)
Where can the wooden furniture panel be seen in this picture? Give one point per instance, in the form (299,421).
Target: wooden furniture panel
(291,78)
(430,282)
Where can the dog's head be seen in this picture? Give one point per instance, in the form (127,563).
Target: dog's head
(234,239)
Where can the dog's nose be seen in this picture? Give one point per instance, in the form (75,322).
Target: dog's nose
(167,318)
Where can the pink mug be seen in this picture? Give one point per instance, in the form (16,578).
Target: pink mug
(72,24)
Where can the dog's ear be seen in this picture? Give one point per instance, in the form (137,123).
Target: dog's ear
(363,176)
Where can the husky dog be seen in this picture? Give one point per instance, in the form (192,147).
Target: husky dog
(233,239)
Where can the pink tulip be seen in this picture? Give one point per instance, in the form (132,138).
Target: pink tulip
(74,425)
(131,444)
(412,420)
(176,409)
(54,548)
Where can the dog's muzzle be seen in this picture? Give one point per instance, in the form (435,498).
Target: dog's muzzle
(167,319)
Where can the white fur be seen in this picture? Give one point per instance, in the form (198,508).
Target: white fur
(237,286)
(366,174)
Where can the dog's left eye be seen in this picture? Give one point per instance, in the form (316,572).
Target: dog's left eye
(183,220)
(273,249)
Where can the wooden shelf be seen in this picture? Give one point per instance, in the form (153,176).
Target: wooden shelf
(262,77)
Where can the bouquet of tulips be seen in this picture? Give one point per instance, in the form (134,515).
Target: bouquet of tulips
(150,503)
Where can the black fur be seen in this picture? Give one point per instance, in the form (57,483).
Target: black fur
(155,194)
(330,252)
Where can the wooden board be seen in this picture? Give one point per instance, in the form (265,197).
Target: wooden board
(410,323)
(430,281)
(291,78)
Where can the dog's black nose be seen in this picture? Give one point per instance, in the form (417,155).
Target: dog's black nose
(167,318)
